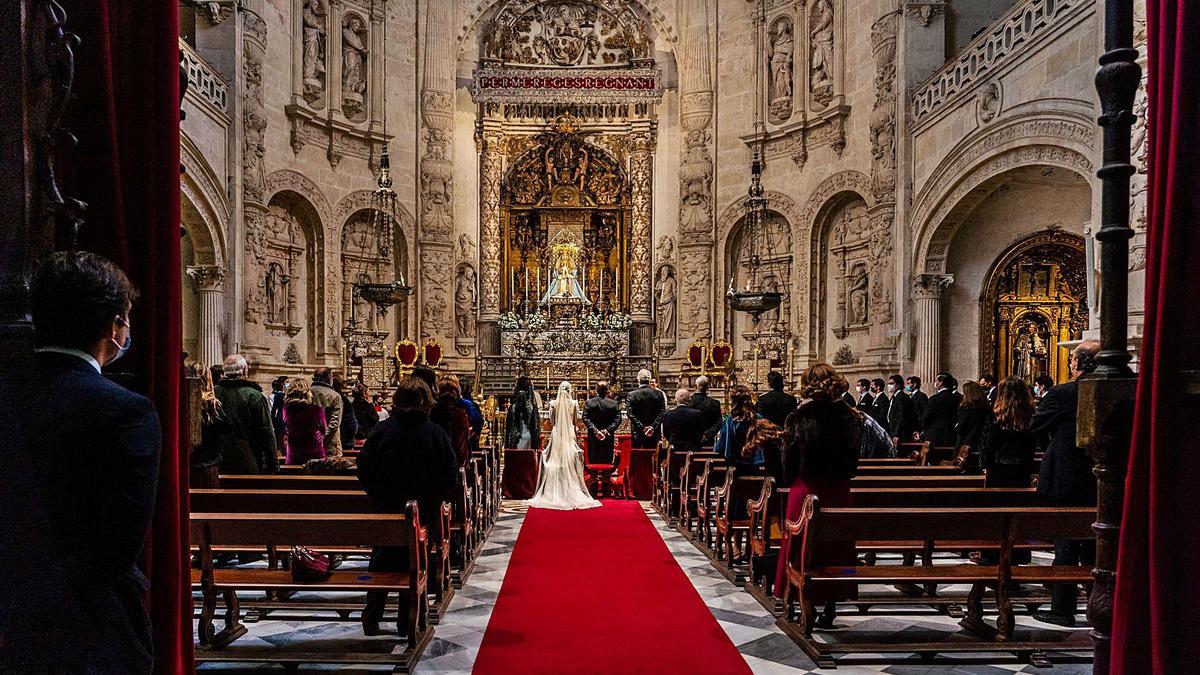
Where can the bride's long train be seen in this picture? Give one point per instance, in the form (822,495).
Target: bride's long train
(561,484)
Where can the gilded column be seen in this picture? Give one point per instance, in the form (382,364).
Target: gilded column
(641,175)
(491,166)
(927,323)
(209,284)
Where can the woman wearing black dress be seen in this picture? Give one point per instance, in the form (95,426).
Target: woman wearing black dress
(1006,446)
(973,415)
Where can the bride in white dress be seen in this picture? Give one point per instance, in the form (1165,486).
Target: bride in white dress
(561,485)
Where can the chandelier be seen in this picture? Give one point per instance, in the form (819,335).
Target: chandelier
(752,298)
(383,223)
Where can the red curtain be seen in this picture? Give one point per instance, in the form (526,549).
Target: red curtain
(1157,605)
(126,167)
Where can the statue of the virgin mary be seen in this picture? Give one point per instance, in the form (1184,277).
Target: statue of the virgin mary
(564,280)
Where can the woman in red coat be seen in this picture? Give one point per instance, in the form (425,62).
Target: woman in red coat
(304,424)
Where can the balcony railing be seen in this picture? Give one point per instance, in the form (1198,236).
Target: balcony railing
(203,80)
(1022,25)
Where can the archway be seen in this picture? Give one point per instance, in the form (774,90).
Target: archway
(775,273)
(203,219)
(290,278)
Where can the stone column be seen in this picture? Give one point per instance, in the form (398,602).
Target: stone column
(641,175)
(209,284)
(927,323)
(254,209)
(491,165)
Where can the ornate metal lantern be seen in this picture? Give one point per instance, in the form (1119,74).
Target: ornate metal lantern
(383,221)
(752,299)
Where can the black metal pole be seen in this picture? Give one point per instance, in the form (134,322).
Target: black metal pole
(1106,396)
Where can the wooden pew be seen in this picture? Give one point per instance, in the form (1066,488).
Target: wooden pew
(1001,527)
(912,470)
(732,524)
(281,482)
(326,501)
(286,529)
(916,481)
(669,475)
(689,478)
(711,477)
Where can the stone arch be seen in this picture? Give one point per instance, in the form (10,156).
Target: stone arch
(360,200)
(302,186)
(203,204)
(312,218)
(960,182)
(653,9)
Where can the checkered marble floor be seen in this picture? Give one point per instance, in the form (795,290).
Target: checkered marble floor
(751,628)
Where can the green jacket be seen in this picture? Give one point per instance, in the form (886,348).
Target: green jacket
(246,437)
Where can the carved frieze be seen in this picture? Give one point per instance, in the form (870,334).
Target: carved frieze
(491,166)
(435,285)
(694,265)
(883,113)
(567,33)
(254,114)
(641,163)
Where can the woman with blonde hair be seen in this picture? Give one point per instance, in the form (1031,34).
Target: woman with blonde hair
(206,457)
(304,423)
(818,455)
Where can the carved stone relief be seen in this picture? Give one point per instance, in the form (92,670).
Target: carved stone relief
(466,247)
(641,162)
(821,39)
(567,33)
(437,172)
(466,296)
(989,102)
(314,22)
(883,113)
(254,114)
(665,251)
(780,61)
(491,165)
(436,270)
(354,67)
(696,280)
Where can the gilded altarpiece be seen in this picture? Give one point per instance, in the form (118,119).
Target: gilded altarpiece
(1035,299)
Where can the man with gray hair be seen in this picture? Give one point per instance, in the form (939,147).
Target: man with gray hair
(646,407)
(710,411)
(682,426)
(244,432)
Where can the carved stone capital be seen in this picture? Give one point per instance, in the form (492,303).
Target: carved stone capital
(207,278)
(930,286)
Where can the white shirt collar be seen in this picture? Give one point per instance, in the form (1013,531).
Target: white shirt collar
(91,360)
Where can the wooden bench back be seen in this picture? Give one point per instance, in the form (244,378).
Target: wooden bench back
(1065,523)
(908,470)
(279,501)
(944,497)
(875,524)
(278,482)
(287,529)
(916,481)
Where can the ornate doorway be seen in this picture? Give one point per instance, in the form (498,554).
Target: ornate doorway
(1035,298)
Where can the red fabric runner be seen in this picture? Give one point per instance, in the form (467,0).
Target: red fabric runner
(1157,606)
(597,591)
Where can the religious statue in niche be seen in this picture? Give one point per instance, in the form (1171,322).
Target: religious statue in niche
(433,315)
(1029,348)
(821,38)
(314,14)
(769,320)
(856,291)
(667,295)
(466,247)
(695,205)
(566,164)
(666,248)
(464,301)
(364,311)
(354,66)
(274,285)
(781,70)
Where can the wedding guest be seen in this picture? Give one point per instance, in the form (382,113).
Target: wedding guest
(818,455)
(912,387)
(1042,385)
(523,423)
(408,457)
(247,440)
(206,457)
(349,426)
(974,413)
(602,417)
(865,399)
(328,398)
(731,441)
(682,425)
(468,404)
(1006,445)
(880,403)
(451,418)
(304,424)
(365,413)
(776,404)
(902,414)
(941,413)
(709,407)
(645,407)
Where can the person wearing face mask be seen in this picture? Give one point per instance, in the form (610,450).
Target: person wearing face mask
(912,387)
(865,399)
(1041,385)
(92,462)
(902,415)
(879,402)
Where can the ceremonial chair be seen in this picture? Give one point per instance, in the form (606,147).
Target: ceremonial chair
(605,477)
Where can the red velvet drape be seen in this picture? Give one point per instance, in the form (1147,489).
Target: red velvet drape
(126,166)
(1157,605)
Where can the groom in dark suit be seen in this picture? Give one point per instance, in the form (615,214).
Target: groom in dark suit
(602,416)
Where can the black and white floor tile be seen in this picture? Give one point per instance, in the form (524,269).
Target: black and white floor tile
(752,629)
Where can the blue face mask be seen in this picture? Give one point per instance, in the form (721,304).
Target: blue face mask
(122,349)
(908,388)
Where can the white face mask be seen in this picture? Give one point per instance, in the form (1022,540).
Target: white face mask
(891,388)
(1037,390)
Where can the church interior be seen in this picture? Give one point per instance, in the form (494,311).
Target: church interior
(673,240)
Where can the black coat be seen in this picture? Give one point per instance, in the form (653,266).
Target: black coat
(920,402)
(879,409)
(1066,475)
(684,428)
(406,457)
(775,406)
(90,461)
(941,416)
(866,403)
(601,414)
(710,408)
(901,417)
(824,448)
(1006,455)
(349,426)
(969,428)
(646,407)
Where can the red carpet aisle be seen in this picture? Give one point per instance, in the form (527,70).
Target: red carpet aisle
(596,591)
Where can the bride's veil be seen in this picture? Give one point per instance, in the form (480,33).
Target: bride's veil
(564,416)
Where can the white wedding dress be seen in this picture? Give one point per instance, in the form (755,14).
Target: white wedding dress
(560,484)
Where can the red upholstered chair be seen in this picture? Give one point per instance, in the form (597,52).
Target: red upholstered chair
(406,353)
(433,353)
(601,478)
(722,354)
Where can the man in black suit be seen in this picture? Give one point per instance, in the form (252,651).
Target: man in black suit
(709,408)
(602,416)
(865,400)
(988,382)
(776,404)
(92,454)
(912,387)
(879,403)
(901,415)
(646,407)
(941,413)
(1066,477)
(682,425)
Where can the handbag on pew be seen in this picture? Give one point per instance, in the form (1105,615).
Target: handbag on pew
(309,565)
